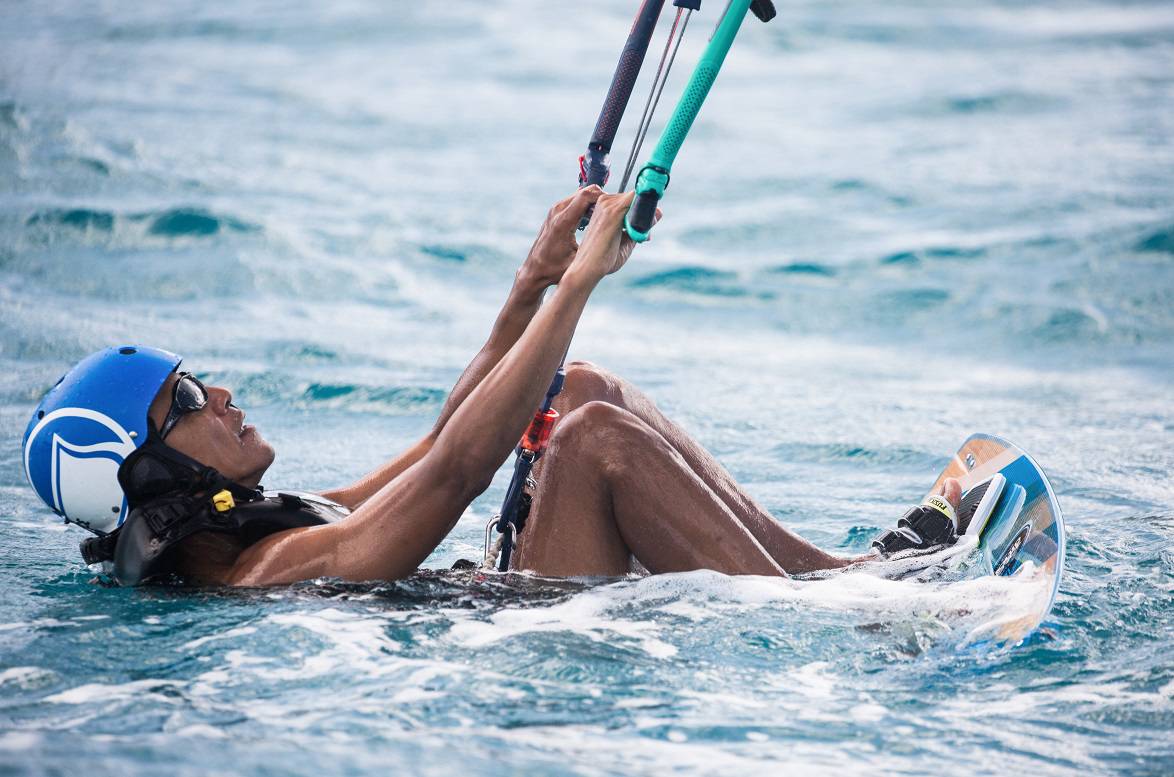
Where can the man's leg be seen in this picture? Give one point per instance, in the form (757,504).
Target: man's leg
(587,383)
(612,487)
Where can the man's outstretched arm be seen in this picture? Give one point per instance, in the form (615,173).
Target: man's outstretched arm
(552,252)
(395,530)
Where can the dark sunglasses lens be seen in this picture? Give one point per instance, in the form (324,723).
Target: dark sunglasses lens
(190,394)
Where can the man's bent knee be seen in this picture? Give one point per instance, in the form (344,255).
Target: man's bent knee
(594,418)
(597,430)
(587,382)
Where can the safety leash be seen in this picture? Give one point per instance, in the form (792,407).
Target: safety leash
(516,506)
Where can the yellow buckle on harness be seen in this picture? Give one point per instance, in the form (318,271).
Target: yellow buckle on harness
(223,501)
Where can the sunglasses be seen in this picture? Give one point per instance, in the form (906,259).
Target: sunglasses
(187,396)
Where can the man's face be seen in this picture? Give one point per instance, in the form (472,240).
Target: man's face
(216,435)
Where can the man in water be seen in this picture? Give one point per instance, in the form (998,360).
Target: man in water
(188,467)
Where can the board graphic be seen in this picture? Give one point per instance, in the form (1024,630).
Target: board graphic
(1009,503)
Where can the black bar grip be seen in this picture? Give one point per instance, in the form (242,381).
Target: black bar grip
(642,215)
(763,9)
(593,167)
(628,68)
(586,219)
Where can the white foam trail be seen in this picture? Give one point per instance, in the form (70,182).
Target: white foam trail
(15,741)
(986,605)
(200,731)
(357,641)
(585,615)
(850,591)
(97,693)
(231,633)
(26,676)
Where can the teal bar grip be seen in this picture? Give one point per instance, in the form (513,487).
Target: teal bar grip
(654,177)
(650,186)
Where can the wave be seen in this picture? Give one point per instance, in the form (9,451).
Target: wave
(282,388)
(180,222)
(1158,241)
(301,353)
(77,218)
(368,397)
(850,453)
(189,222)
(1072,324)
(462,253)
(913,300)
(998,102)
(802,268)
(695,280)
(446,253)
(918,256)
(9,115)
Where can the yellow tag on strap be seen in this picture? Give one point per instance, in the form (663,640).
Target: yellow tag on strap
(223,501)
(942,505)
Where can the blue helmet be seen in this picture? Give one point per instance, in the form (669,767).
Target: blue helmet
(86,426)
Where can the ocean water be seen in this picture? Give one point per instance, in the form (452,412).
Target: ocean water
(894,224)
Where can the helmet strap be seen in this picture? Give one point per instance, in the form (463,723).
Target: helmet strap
(155,470)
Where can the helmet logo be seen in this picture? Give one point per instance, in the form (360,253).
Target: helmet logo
(85,477)
(81,480)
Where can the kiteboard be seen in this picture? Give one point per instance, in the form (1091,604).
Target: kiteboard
(1009,524)
(1010,512)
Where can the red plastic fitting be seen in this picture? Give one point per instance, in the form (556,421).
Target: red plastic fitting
(537,435)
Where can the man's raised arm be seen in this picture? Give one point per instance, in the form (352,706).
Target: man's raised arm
(395,530)
(552,252)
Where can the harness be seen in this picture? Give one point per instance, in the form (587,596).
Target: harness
(142,548)
(172,496)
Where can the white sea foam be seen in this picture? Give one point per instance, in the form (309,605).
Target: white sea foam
(26,677)
(15,741)
(359,641)
(986,607)
(200,731)
(585,615)
(985,604)
(200,642)
(99,693)
(39,623)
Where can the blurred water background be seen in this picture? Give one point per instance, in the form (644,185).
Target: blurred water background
(893,225)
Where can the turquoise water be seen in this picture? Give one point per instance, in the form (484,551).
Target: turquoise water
(894,224)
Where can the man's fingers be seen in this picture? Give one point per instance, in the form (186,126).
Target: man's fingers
(561,205)
(617,202)
(565,201)
(576,205)
(609,211)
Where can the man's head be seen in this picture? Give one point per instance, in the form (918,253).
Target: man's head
(213,434)
(110,405)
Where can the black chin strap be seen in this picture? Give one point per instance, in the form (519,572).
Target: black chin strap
(155,470)
(168,484)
